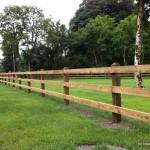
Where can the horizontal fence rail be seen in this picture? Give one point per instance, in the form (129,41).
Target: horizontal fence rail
(115,89)
(103,88)
(101,70)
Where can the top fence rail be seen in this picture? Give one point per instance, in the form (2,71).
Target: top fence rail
(99,70)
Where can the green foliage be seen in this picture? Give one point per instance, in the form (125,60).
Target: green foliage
(124,40)
(92,8)
(96,38)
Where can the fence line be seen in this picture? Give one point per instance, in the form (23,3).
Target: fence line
(107,107)
(116,89)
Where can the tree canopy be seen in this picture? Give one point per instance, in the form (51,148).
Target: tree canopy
(88,9)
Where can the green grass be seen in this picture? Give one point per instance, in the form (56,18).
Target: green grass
(30,122)
(133,102)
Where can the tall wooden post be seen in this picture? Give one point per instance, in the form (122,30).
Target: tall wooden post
(66,88)
(42,84)
(116,98)
(29,84)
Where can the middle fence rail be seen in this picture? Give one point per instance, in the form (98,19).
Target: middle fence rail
(116,89)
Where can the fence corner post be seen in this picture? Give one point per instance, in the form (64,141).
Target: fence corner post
(42,84)
(66,88)
(116,97)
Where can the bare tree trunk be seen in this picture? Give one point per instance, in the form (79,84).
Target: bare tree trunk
(95,57)
(138,44)
(14,63)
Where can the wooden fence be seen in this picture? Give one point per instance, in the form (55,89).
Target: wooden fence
(115,89)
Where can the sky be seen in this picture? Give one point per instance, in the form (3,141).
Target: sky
(62,10)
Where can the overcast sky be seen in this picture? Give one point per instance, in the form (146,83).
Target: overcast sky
(62,10)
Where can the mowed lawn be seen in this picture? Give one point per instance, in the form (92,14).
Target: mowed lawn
(30,122)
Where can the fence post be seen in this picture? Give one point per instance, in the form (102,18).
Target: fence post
(9,79)
(20,84)
(13,80)
(1,78)
(5,79)
(116,98)
(29,84)
(42,84)
(66,88)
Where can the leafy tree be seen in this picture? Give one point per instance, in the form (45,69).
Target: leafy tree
(96,39)
(20,26)
(11,29)
(56,41)
(88,9)
(33,32)
(124,39)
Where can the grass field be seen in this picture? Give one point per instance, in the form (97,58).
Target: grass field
(30,122)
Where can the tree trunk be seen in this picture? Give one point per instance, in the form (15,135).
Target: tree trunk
(95,58)
(124,57)
(29,66)
(14,63)
(138,44)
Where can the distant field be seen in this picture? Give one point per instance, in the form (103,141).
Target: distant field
(134,102)
(30,122)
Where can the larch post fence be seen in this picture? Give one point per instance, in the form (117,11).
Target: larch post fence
(42,76)
(116,97)
(66,88)
(115,89)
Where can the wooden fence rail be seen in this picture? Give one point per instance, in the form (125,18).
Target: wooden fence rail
(97,87)
(99,70)
(116,90)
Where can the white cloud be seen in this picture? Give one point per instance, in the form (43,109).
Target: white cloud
(62,10)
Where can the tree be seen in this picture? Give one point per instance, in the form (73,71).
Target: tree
(94,42)
(20,30)
(124,39)
(55,39)
(88,9)
(138,43)
(33,20)
(11,29)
